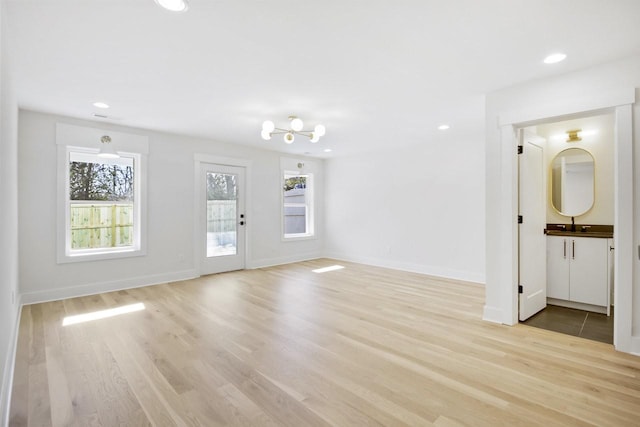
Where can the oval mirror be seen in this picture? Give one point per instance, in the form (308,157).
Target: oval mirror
(572,182)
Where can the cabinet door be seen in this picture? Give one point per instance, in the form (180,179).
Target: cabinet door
(558,267)
(589,272)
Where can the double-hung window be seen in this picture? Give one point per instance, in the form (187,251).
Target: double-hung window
(297,210)
(100,204)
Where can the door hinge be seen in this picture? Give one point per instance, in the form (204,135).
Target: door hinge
(519,219)
(520,149)
(520,290)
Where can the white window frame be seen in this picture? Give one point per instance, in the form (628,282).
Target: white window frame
(308,205)
(79,139)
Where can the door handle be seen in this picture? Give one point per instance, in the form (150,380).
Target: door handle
(573,249)
(564,249)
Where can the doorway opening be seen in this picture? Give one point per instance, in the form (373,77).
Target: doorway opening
(566,203)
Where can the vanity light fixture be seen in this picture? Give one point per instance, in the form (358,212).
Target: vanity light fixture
(107,151)
(443,127)
(295,128)
(100,105)
(555,58)
(328,150)
(173,5)
(572,135)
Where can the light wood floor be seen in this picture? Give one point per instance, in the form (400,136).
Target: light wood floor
(284,346)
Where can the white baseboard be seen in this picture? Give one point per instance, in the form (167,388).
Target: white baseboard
(100,287)
(577,305)
(411,267)
(635,346)
(270,262)
(9,366)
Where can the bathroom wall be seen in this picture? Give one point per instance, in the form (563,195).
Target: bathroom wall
(597,139)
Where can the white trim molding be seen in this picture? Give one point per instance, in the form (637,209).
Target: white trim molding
(109,286)
(428,270)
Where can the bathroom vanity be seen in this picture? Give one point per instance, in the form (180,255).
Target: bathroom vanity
(580,267)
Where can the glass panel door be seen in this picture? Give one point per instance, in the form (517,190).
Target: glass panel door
(221,218)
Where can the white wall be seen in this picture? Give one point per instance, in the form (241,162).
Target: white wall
(419,208)
(170,214)
(586,87)
(600,145)
(9,303)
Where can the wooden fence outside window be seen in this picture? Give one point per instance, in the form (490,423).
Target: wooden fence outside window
(101,225)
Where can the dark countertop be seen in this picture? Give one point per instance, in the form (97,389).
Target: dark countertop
(590,230)
(596,234)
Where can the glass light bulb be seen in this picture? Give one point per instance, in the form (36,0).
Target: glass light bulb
(296,124)
(268,126)
(315,137)
(320,130)
(265,135)
(288,138)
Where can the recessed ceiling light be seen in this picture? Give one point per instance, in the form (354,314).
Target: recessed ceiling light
(554,58)
(328,150)
(100,105)
(443,127)
(174,5)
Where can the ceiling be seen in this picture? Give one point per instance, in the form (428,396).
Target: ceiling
(377,74)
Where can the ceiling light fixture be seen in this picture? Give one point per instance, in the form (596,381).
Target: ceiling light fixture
(107,151)
(100,105)
(555,58)
(296,127)
(443,127)
(174,5)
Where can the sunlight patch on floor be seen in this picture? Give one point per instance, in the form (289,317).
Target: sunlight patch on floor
(326,269)
(102,314)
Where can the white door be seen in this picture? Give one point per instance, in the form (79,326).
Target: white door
(532,256)
(222,218)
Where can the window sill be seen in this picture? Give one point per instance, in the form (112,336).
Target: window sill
(98,256)
(298,237)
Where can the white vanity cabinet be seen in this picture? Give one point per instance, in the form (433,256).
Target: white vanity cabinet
(578,271)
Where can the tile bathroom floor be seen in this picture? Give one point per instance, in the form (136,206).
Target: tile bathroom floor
(585,324)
